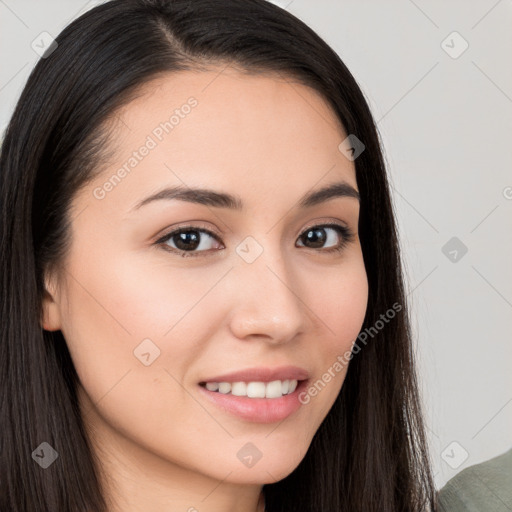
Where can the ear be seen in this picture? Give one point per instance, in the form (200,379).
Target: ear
(51,315)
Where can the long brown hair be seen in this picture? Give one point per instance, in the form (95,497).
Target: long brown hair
(370,452)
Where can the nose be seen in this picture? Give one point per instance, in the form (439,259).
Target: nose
(266,303)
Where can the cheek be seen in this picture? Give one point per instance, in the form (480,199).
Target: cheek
(341,310)
(106,317)
(342,305)
(120,313)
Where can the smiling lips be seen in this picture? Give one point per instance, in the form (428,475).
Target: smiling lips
(261,395)
(262,382)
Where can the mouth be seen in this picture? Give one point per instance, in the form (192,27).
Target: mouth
(255,401)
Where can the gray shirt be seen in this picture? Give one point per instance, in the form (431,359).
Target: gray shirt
(484,487)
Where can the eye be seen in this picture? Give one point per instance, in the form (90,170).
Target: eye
(187,240)
(192,240)
(316,235)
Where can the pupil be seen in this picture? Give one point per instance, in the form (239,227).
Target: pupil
(313,236)
(187,239)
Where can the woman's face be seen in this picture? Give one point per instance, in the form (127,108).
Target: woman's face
(260,289)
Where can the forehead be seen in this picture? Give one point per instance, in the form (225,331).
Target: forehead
(223,128)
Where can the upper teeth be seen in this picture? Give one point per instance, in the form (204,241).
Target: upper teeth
(274,389)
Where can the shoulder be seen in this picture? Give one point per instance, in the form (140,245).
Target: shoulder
(483,487)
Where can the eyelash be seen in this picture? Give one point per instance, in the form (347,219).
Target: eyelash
(347,237)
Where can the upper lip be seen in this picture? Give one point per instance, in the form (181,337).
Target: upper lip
(262,374)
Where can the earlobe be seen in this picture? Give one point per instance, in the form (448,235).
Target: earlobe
(51,314)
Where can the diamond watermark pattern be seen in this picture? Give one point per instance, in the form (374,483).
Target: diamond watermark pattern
(45,455)
(146,352)
(454,455)
(249,455)
(249,249)
(351,147)
(454,45)
(454,249)
(44,45)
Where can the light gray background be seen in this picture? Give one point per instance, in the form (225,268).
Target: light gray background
(446,125)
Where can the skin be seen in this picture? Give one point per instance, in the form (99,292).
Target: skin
(162,446)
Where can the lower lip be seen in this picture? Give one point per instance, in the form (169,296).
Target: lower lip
(257,410)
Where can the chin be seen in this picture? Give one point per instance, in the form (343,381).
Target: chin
(266,470)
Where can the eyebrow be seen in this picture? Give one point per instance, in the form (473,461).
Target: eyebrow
(223,200)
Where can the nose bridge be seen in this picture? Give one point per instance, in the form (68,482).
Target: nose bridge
(268,303)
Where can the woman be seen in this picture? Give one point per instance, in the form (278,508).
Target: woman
(203,302)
